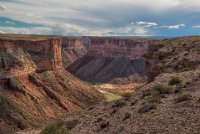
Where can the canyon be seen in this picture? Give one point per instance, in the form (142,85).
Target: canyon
(51,82)
(113,60)
(169,102)
(34,87)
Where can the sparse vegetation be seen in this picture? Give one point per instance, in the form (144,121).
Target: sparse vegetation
(127,116)
(182,97)
(146,93)
(104,124)
(178,65)
(154,99)
(174,80)
(127,95)
(58,128)
(147,107)
(119,103)
(188,83)
(160,89)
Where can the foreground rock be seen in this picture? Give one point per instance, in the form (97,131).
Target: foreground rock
(34,87)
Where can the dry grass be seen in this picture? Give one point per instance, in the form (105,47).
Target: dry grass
(159,89)
(174,80)
(182,97)
(147,107)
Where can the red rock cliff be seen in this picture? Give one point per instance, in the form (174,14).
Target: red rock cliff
(132,49)
(113,60)
(25,56)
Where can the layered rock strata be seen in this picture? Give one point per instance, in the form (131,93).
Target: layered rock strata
(34,87)
(109,59)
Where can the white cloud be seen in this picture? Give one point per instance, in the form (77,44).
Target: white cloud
(30,14)
(175,27)
(3,7)
(140,31)
(32,30)
(196,26)
(146,24)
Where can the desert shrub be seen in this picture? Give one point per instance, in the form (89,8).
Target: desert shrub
(160,89)
(127,95)
(174,80)
(175,58)
(147,107)
(71,124)
(182,97)
(178,65)
(127,116)
(58,128)
(186,84)
(99,119)
(104,124)
(186,54)
(154,99)
(119,103)
(114,110)
(146,93)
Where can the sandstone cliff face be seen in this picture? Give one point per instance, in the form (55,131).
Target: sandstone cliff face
(72,49)
(131,49)
(34,87)
(26,56)
(109,59)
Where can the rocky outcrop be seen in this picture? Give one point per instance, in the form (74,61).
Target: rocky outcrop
(173,55)
(72,49)
(34,87)
(109,59)
(26,56)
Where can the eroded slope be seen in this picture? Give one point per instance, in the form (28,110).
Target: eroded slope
(34,87)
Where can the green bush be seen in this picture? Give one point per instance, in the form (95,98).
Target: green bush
(147,107)
(182,97)
(174,80)
(160,89)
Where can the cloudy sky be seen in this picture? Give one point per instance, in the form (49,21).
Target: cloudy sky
(101,17)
